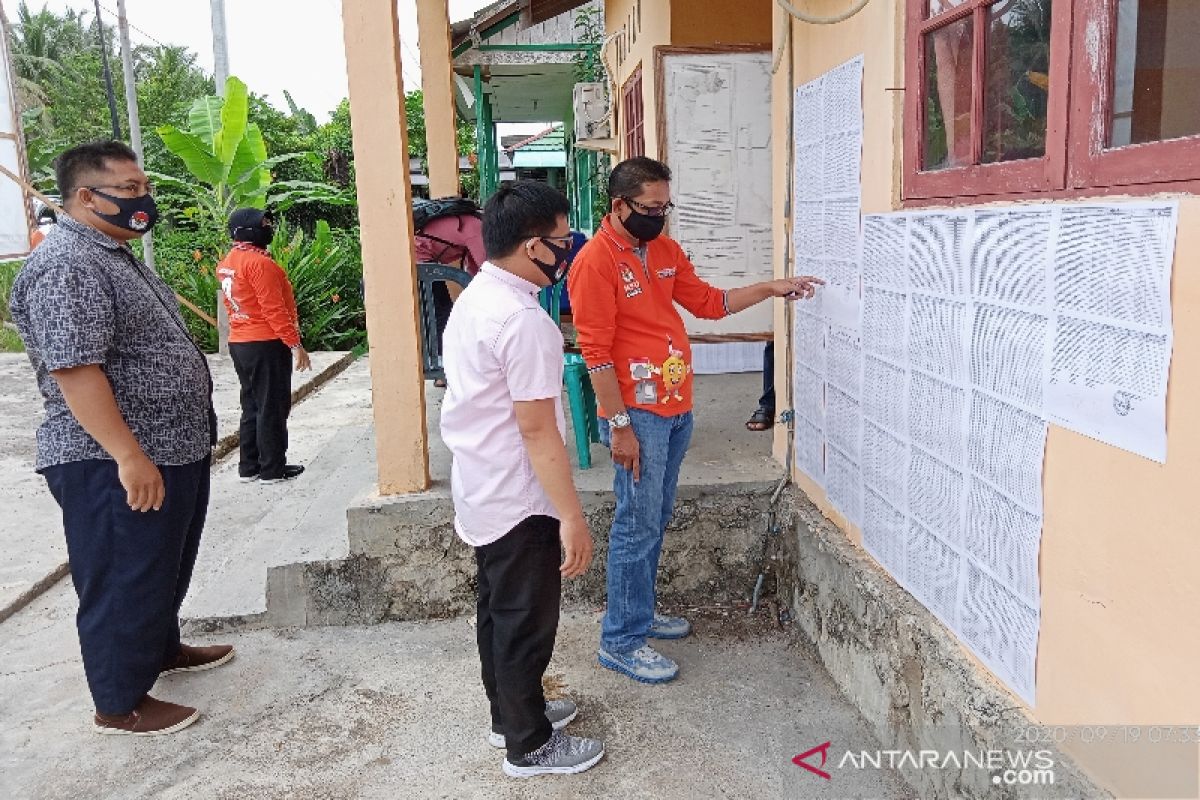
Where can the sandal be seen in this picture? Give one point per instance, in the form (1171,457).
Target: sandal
(760,420)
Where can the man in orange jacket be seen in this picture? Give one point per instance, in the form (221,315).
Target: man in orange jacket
(624,285)
(264,333)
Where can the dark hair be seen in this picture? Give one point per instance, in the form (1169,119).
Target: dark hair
(90,157)
(518,212)
(627,178)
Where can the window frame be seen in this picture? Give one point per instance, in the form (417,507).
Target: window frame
(1165,165)
(633,109)
(1025,176)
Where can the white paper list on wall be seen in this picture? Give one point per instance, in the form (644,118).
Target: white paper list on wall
(938,368)
(979,326)
(826,214)
(1112,328)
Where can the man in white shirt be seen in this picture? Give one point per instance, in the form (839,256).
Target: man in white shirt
(514,498)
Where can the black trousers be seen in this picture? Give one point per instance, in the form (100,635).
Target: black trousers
(265,372)
(519,586)
(767,400)
(131,571)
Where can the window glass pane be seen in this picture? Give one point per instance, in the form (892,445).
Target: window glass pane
(1156,74)
(946,140)
(1016,80)
(938,6)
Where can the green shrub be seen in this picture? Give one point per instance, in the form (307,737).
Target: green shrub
(8,273)
(325,269)
(10,342)
(187,260)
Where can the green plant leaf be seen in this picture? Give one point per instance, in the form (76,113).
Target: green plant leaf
(192,150)
(248,177)
(204,118)
(234,117)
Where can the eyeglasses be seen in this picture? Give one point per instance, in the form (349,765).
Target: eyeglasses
(564,242)
(132,188)
(649,211)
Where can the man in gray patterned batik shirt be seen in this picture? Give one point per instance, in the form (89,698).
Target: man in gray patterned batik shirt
(127,438)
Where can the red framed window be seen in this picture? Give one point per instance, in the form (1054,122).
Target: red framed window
(634,113)
(1059,97)
(1135,114)
(989,110)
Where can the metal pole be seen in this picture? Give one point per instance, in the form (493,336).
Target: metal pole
(221,74)
(131,106)
(108,82)
(220,46)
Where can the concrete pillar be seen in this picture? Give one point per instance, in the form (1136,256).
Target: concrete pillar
(437,83)
(781,145)
(372,34)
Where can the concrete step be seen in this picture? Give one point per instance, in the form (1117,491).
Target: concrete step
(253,527)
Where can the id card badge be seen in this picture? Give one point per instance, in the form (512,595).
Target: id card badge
(646,393)
(641,369)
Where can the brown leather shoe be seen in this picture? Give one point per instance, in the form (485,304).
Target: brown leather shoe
(198,659)
(150,718)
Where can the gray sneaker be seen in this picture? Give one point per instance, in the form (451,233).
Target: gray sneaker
(560,755)
(644,664)
(665,627)
(559,712)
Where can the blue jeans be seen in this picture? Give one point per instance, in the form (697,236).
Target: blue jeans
(644,508)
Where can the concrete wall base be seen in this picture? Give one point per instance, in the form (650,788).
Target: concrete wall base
(908,676)
(407,563)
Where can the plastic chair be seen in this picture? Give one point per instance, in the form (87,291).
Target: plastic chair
(580,396)
(431,343)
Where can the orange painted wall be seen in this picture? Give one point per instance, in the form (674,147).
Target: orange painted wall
(710,22)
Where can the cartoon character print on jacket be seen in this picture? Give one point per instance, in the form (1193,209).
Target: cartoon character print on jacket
(674,372)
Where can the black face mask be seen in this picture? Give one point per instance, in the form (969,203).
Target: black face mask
(558,270)
(644,227)
(137,214)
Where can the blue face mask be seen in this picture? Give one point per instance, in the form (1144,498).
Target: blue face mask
(558,270)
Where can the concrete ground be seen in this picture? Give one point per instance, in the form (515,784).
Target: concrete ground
(31,528)
(397,711)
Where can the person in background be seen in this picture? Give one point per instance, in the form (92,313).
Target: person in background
(514,499)
(46,219)
(624,288)
(127,438)
(763,417)
(264,336)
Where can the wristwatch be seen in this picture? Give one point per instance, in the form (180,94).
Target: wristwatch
(619,420)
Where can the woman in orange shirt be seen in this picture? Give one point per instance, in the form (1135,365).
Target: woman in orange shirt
(264,333)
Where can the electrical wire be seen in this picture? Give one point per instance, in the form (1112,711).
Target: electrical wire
(804,16)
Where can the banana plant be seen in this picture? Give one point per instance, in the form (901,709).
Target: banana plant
(230,168)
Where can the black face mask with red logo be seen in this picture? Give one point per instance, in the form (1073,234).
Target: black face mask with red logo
(556,271)
(136,214)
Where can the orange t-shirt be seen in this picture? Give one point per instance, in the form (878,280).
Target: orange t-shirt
(258,297)
(624,310)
